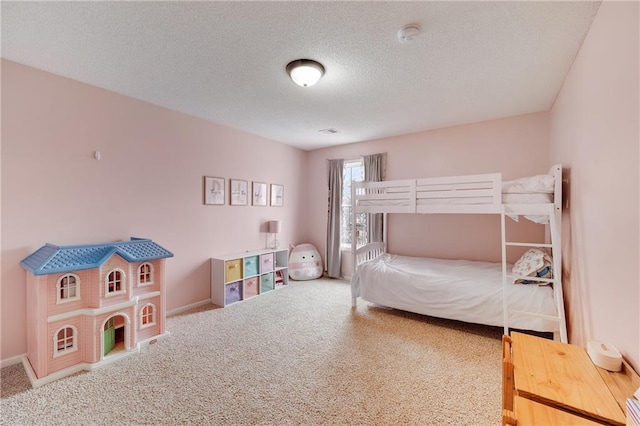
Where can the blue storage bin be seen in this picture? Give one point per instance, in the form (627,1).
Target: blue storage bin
(250,266)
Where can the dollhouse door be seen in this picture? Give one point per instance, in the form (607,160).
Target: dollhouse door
(109,340)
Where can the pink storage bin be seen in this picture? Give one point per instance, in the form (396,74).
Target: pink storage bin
(266,263)
(251,287)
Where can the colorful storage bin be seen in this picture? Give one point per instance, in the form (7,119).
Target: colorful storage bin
(266,282)
(266,263)
(250,266)
(233,292)
(251,287)
(232,270)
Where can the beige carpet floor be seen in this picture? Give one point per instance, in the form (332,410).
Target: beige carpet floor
(298,355)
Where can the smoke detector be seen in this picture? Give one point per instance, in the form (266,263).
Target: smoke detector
(409,33)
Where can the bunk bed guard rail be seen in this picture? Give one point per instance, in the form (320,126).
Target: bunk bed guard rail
(459,194)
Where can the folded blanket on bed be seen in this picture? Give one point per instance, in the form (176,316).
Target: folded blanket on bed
(529,190)
(528,185)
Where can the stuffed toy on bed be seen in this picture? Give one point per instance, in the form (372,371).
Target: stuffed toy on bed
(304,262)
(534,263)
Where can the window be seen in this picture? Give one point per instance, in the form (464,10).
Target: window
(114,282)
(147,316)
(145,274)
(68,288)
(353,172)
(64,341)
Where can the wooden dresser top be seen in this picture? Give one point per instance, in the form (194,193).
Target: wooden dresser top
(563,376)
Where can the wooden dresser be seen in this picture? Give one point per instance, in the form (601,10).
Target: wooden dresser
(548,382)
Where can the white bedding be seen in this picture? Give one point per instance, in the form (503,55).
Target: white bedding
(528,198)
(455,289)
(507,198)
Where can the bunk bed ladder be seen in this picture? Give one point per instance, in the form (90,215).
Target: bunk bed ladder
(556,252)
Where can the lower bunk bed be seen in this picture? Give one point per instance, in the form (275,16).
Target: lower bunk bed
(463,290)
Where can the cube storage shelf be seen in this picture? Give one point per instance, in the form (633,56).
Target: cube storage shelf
(240,276)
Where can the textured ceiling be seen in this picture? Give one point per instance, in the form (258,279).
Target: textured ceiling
(225,61)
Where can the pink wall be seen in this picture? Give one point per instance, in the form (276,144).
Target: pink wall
(517,147)
(148,184)
(594,131)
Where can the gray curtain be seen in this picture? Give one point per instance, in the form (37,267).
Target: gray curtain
(374,172)
(333,219)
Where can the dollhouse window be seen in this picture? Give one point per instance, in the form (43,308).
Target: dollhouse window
(147,316)
(68,288)
(64,340)
(145,274)
(115,283)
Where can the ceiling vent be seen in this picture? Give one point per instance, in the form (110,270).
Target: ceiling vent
(329,131)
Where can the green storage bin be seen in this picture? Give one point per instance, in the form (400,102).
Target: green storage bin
(266,282)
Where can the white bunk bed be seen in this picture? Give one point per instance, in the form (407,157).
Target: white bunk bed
(477,292)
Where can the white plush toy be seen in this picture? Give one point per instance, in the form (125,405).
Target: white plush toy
(304,262)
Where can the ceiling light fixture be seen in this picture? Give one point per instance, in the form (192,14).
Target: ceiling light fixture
(305,72)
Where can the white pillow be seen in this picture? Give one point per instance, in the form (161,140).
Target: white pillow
(538,183)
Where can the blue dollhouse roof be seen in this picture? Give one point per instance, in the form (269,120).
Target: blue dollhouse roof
(52,259)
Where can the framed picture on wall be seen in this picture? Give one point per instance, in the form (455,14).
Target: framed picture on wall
(277,195)
(259,192)
(214,190)
(239,192)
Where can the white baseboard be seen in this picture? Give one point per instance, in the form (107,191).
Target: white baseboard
(188,307)
(12,361)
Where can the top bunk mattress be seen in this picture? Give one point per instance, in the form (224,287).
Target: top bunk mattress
(463,290)
(533,199)
(507,198)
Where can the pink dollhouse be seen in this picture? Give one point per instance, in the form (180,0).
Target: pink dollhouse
(89,305)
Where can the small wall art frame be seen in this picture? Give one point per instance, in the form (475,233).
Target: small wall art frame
(277,195)
(239,192)
(214,193)
(259,194)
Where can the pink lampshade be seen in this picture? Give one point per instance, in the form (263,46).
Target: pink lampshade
(274,226)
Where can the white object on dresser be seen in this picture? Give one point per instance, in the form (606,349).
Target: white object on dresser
(237,277)
(604,355)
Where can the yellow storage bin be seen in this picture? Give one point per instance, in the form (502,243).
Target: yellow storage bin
(233,270)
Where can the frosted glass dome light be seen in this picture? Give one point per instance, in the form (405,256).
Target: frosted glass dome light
(305,72)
